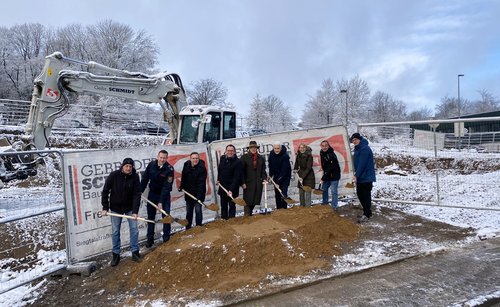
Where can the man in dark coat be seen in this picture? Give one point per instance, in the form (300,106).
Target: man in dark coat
(229,175)
(280,170)
(304,169)
(122,194)
(254,174)
(364,174)
(160,176)
(331,173)
(193,181)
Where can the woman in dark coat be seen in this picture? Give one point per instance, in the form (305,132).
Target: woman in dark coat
(304,168)
(254,174)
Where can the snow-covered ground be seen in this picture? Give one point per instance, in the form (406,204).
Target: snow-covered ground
(473,189)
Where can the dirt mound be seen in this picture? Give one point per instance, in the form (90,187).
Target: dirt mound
(227,255)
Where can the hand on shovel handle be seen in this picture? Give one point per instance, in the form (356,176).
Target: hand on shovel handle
(318,191)
(238,201)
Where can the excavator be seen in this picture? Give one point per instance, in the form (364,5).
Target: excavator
(51,100)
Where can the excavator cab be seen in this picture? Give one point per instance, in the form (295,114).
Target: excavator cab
(205,124)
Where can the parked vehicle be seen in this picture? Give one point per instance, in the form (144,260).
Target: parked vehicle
(145,127)
(257,132)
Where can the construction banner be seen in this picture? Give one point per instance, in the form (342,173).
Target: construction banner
(88,232)
(335,135)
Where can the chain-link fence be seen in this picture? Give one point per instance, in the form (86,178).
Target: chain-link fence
(457,169)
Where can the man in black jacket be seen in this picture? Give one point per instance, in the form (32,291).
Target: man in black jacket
(230,176)
(331,173)
(280,170)
(193,180)
(122,194)
(160,176)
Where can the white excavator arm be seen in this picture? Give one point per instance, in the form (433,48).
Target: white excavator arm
(50,101)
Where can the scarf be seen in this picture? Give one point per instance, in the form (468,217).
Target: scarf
(254,161)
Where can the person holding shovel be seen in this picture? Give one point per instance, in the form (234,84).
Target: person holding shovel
(193,181)
(254,175)
(159,174)
(122,194)
(331,173)
(230,176)
(304,169)
(281,172)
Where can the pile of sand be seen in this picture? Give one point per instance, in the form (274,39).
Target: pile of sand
(227,255)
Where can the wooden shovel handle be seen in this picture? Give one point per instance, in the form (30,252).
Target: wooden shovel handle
(130,217)
(154,205)
(227,192)
(193,197)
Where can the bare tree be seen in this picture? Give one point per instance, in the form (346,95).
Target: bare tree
(208,92)
(420,114)
(269,113)
(384,108)
(448,108)
(487,103)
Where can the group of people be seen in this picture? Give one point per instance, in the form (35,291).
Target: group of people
(123,188)
(122,192)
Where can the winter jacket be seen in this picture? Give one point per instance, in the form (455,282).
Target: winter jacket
(279,166)
(304,165)
(230,175)
(160,181)
(330,165)
(121,192)
(364,166)
(194,180)
(253,178)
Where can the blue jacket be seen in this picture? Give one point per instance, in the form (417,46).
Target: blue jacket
(279,166)
(160,181)
(364,166)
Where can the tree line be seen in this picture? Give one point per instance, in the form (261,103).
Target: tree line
(341,102)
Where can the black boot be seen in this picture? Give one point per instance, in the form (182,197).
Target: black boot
(115,260)
(136,256)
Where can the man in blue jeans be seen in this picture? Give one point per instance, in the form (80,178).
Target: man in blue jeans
(122,194)
(160,176)
(331,173)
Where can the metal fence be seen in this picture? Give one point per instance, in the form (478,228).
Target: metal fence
(460,170)
(32,223)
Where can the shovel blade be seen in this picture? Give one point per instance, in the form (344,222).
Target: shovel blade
(213,207)
(290,201)
(167,220)
(349,185)
(240,201)
(318,192)
(183,222)
(306,188)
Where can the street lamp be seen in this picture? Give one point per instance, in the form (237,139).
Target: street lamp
(458,77)
(346,107)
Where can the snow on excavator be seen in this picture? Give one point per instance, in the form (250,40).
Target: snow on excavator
(50,100)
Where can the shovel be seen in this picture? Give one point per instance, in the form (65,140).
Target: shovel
(318,191)
(349,185)
(238,201)
(304,187)
(265,196)
(212,206)
(288,200)
(130,217)
(168,219)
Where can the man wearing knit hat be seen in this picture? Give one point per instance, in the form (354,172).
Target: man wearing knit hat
(122,194)
(364,174)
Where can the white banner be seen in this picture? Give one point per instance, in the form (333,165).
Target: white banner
(88,232)
(336,136)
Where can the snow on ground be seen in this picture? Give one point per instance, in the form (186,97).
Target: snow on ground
(478,190)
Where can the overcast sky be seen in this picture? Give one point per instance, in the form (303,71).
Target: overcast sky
(412,50)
